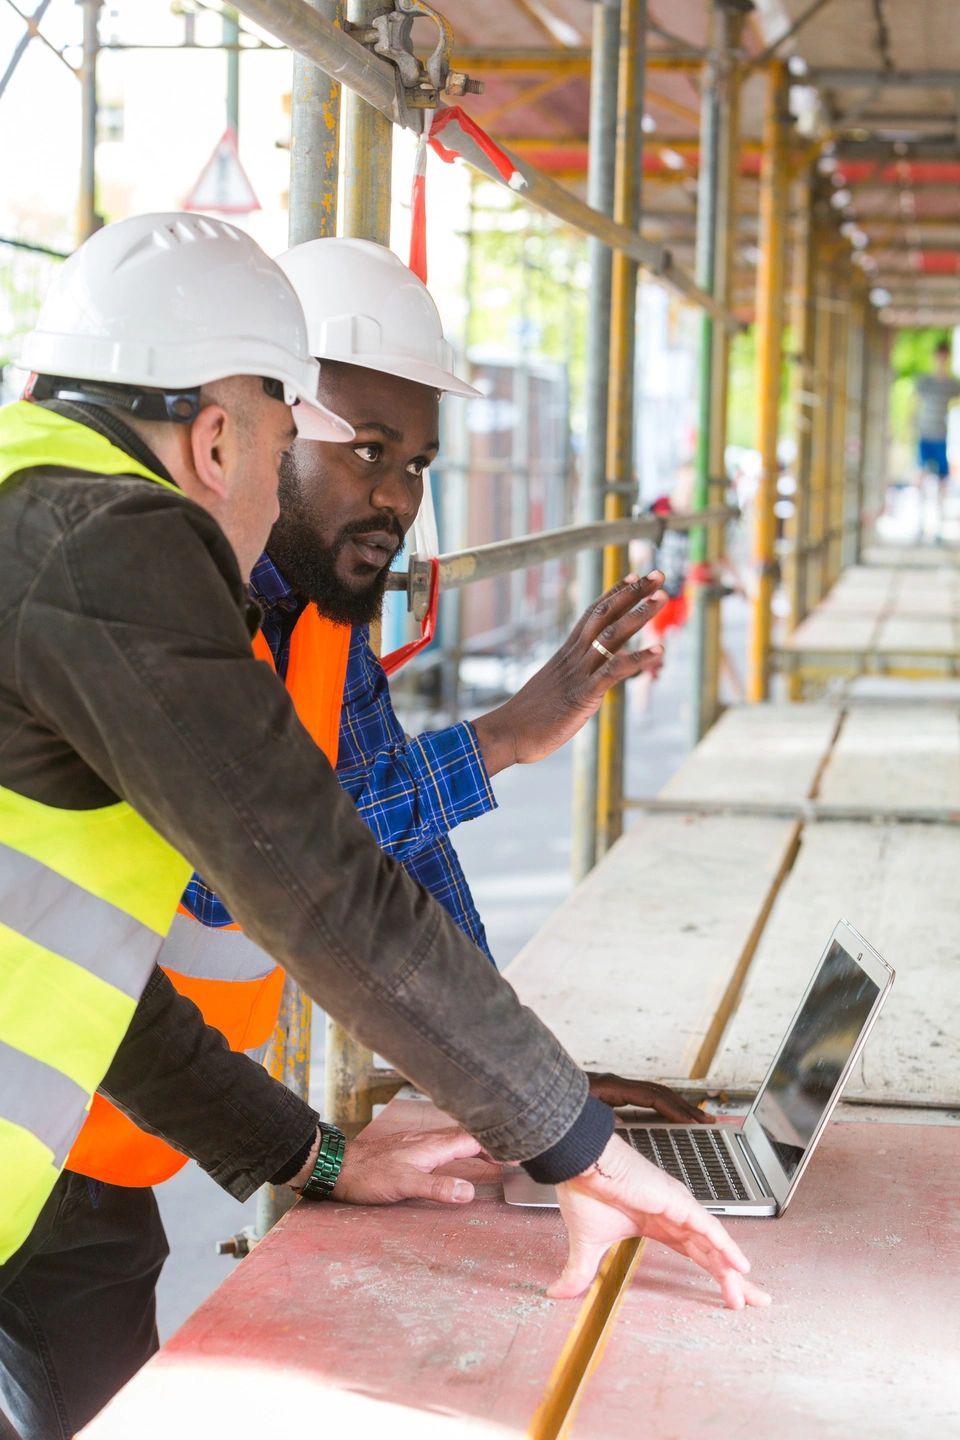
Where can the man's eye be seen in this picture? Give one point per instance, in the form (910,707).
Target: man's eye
(371,453)
(416,467)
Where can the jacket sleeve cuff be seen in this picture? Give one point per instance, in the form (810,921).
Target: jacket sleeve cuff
(583,1143)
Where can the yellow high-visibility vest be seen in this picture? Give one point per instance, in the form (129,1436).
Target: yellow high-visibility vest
(86,900)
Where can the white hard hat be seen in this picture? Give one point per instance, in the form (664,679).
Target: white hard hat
(364,306)
(175,301)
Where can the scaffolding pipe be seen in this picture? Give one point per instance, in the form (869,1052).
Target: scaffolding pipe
(716,204)
(365,206)
(374,80)
(600,195)
(838,438)
(314,145)
(804,399)
(312,215)
(820,457)
(770,289)
(620,414)
(230,39)
(861,364)
(502,557)
(88,220)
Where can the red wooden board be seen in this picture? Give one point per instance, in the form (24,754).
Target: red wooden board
(416,1318)
(862,1340)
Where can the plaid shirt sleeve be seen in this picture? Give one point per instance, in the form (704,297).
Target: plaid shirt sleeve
(410,792)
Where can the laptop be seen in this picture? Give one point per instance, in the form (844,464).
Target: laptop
(755,1168)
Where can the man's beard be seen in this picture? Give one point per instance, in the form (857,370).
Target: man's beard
(310,566)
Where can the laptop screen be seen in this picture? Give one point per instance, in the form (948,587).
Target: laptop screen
(808,1067)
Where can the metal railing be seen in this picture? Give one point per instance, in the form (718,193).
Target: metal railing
(501,557)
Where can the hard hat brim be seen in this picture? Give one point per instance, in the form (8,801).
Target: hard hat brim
(315,422)
(419,372)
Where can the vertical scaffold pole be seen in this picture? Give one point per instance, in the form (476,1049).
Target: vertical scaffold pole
(716,242)
(838,440)
(770,286)
(312,215)
(365,208)
(87,218)
(621,479)
(860,367)
(804,401)
(820,458)
(230,35)
(600,188)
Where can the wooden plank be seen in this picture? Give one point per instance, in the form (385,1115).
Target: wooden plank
(912,556)
(896,756)
(633,969)
(826,633)
(406,1321)
(757,753)
(862,1339)
(900,635)
(897,883)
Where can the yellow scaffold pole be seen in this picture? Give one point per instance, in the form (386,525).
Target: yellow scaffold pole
(774,186)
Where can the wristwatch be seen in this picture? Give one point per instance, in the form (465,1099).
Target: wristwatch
(326,1167)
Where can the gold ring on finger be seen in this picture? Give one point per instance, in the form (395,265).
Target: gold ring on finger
(602,649)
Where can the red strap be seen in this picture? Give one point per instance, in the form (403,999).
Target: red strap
(498,158)
(428,625)
(436,121)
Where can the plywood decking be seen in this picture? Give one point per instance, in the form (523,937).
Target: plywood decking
(889,755)
(882,618)
(633,969)
(406,1321)
(897,884)
(757,753)
(862,1339)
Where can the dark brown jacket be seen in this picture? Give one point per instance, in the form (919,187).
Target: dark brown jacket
(126,672)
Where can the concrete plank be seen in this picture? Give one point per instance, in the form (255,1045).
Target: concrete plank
(828,632)
(906,635)
(896,756)
(633,969)
(757,753)
(897,884)
(862,1339)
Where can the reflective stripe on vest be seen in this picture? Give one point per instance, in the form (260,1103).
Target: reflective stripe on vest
(236,986)
(86,898)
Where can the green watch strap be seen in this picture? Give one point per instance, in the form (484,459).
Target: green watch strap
(326,1167)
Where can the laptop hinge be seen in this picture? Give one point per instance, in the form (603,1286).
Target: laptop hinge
(752,1165)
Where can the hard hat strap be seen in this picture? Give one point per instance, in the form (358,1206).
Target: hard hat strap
(180,407)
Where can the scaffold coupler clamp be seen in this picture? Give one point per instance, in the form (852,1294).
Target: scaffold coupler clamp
(420,85)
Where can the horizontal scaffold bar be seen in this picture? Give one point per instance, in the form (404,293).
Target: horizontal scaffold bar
(503,556)
(310,34)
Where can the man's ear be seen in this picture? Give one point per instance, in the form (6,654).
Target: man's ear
(208,445)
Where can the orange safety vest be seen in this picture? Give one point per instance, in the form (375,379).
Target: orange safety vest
(235,984)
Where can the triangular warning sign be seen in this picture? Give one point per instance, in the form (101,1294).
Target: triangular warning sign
(222,184)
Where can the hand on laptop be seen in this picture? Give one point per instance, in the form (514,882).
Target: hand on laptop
(614,1090)
(623,1195)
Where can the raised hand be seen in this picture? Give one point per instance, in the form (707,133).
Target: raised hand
(561,697)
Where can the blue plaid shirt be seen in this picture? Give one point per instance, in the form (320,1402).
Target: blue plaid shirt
(411,793)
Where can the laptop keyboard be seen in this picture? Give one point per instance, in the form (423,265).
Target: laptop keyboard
(696,1157)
